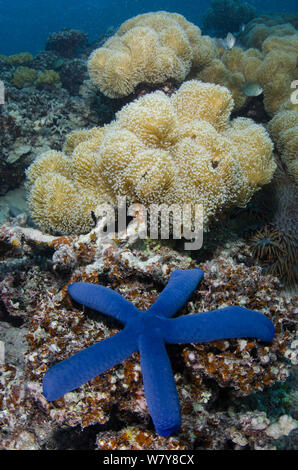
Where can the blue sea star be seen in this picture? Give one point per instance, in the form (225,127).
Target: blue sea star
(148,332)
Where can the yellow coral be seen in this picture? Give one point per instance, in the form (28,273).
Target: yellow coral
(233,70)
(85,173)
(260,29)
(49,162)
(274,68)
(160,149)
(245,134)
(153,120)
(57,206)
(149,48)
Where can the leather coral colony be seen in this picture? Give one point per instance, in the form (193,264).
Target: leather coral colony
(149,48)
(148,332)
(160,149)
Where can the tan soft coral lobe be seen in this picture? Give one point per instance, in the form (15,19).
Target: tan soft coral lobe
(160,150)
(49,162)
(149,48)
(57,206)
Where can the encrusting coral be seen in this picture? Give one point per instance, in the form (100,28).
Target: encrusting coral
(26,76)
(173,150)
(149,48)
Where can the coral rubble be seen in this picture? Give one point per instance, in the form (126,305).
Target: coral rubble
(56,329)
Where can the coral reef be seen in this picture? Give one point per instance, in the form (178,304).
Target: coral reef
(38,111)
(66,42)
(258,29)
(275,242)
(149,48)
(226,16)
(174,150)
(277,251)
(34,120)
(148,334)
(273,70)
(24,77)
(207,375)
(44,60)
(22,58)
(48,78)
(269,62)
(27,77)
(187,144)
(72,74)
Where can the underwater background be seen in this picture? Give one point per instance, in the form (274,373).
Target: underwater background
(195,101)
(19,18)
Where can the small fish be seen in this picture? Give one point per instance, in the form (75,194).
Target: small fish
(228,42)
(253,89)
(242,28)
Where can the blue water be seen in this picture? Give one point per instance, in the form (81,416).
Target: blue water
(26,24)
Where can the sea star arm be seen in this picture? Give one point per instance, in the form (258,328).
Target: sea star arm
(180,286)
(103,300)
(159,385)
(229,322)
(87,364)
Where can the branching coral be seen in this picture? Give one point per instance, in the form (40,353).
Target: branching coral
(149,48)
(173,150)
